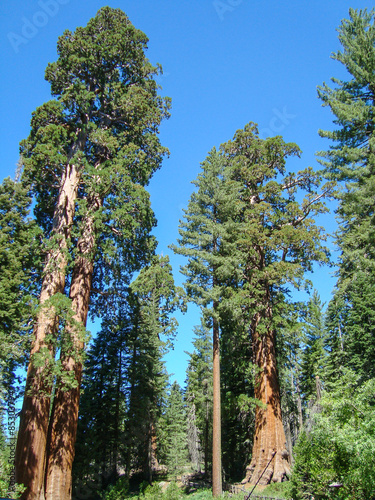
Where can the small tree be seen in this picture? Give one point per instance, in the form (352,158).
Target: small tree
(198,398)
(175,432)
(313,354)
(155,298)
(20,263)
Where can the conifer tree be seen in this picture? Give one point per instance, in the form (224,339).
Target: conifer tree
(19,275)
(351,161)
(198,397)
(155,298)
(205,239)
(313,355)
(100,452)
(238,401)
(175,431)
(277,242)
(89,155)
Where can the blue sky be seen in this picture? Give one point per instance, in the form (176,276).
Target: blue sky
(225,62)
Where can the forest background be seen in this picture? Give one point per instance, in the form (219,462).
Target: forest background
(225,63)
(336,442)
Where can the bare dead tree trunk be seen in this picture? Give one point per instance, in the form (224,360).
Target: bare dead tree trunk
(32,435)
(216,432)
(269,432)
(64,418)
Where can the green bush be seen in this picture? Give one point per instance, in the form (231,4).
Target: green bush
(340,448)
(118,491)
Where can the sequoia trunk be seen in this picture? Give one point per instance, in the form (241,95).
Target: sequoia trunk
(269,439)
(64,418)
(32,434)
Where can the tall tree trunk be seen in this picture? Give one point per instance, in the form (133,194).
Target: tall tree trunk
(269,435)
(64,418)
(32,434)
(206,439)
(216,434)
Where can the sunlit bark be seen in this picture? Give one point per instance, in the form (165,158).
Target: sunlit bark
(64,418)
(32,434)
(269,432)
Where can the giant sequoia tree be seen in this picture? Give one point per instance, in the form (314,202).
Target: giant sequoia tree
(248,240)
(89,155)
(277,241)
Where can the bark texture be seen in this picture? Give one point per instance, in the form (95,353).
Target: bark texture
(64,418)
(269,432)
(32,434)
(216,433)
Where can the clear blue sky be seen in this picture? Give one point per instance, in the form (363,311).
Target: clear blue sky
(225,63)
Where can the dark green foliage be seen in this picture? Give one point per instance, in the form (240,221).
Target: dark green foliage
(198,399)
(351,161)
(340,447)
(313,354)
(174,431)
(20,263)
(238,403)
(155,300)
(125,380)
(100,443)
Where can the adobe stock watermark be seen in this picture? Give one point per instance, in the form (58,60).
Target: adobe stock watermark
(224,6)
(31,26)
(279,121)
(12,441)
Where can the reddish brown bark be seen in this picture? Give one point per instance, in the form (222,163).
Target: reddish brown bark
(32,434)
(216,423)
(64,418)
(269,432)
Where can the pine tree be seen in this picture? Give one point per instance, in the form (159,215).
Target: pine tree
(198,398)
(88,157)
(153,328)
(205,239)
(100,452)
(175,431)
(351,161)
(19,274)
(238,401)
(313,354)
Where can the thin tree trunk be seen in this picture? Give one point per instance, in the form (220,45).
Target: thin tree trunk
(269,432)
(64,418)
(32,435)
(288,434)
(216,434)
(206,437)
(299,403)
(117,415)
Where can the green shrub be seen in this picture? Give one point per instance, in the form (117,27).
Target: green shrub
(340,448)
(118,491)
